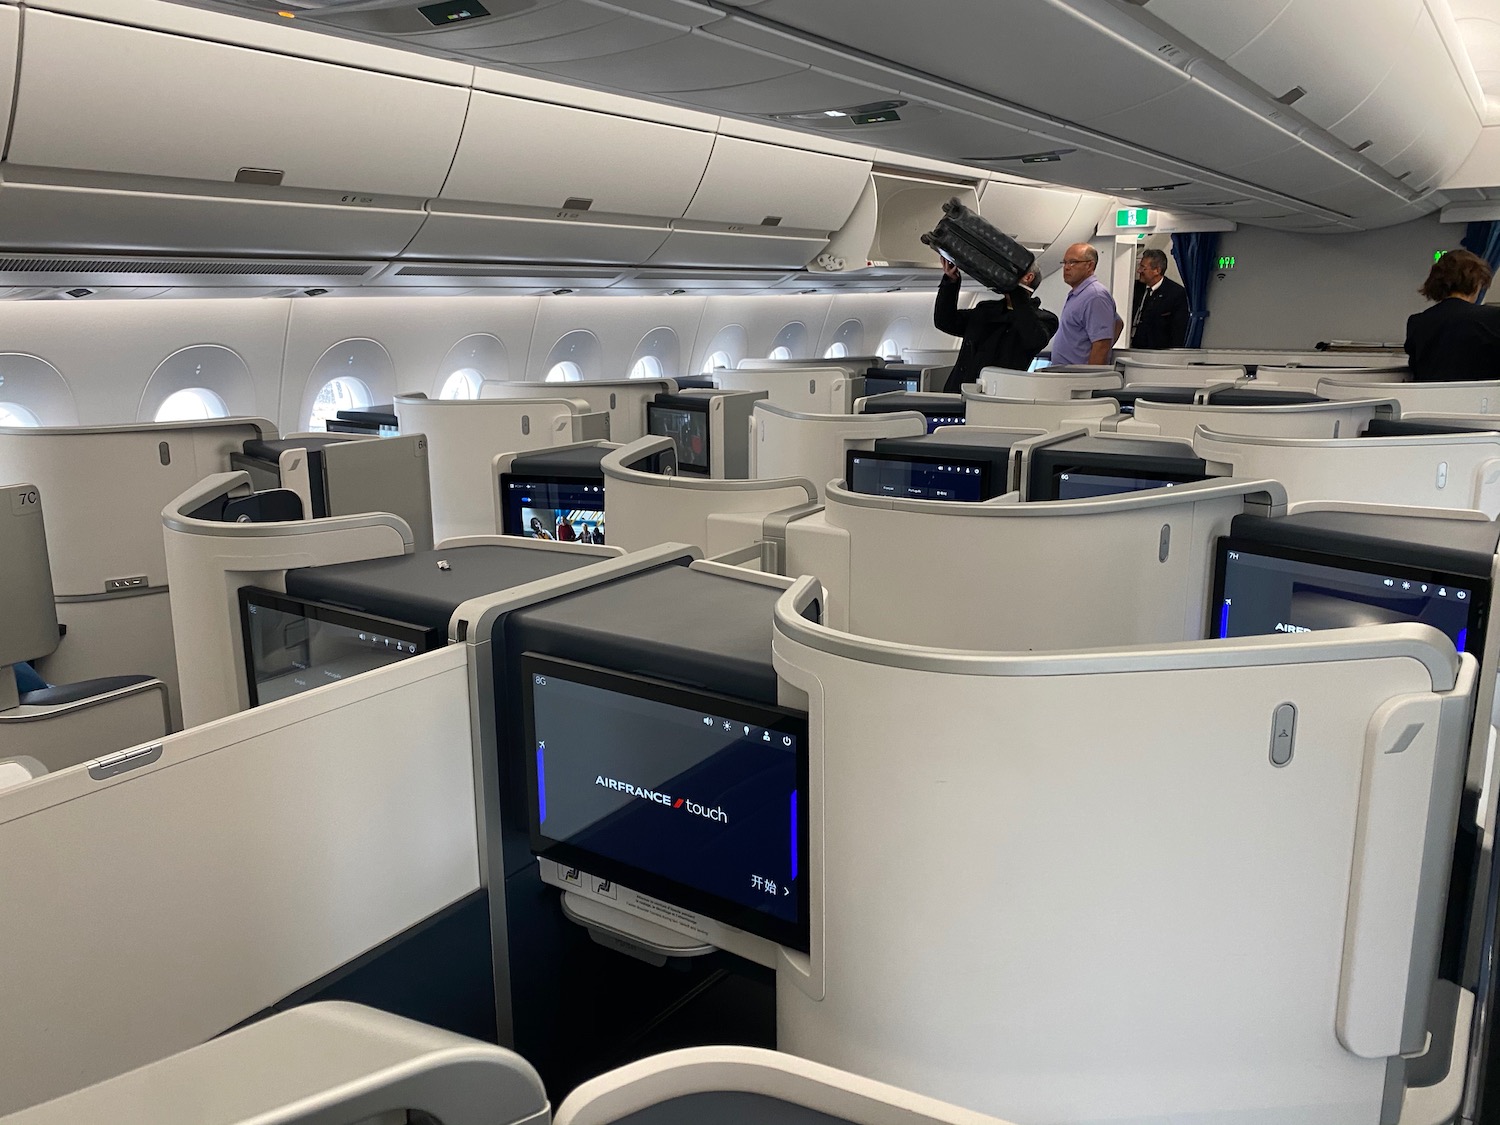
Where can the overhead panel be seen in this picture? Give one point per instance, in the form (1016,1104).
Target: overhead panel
(684,62)
(1033,216)
(129,139)
(747,182)
(520,152)
(802,91)
(479,232)
(1390,118)
(602,39)
(1028,54)
(1290,60)
(1221,29)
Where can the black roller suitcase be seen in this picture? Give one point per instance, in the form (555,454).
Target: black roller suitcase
(982,252)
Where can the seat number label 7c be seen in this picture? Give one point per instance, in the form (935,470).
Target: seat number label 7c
(24,501)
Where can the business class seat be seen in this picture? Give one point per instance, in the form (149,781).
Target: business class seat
(55,726)
(1453,471)
(1315,419)
(1306,378)
(1049,384)
(104,487)
(465,435)
(786,443)
(624,400)
(988,410)
(329,1063)
(1113,570)
(717,516)
(1135,370)
(1476,397)
(747,1086)
(811,389)
(1100,898)
(208,560)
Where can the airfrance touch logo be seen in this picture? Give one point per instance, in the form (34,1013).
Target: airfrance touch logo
(715,814)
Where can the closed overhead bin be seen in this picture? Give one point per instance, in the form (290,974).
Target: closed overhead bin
(272,152)
(10,44)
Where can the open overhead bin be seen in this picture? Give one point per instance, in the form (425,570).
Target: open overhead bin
(126,138)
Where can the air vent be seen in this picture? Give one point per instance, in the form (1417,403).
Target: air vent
(1164,187)
(771,221)
(577,203)
(266,177)
(1295,94)
(1363,145)
(1051,156)
(185,268)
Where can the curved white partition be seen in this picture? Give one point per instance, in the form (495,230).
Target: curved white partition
(784,443)
(464,436)
(986,410)
(828,389)
(104,487)
(716,516)
(1310,420)
(1179,374)
(1126,569)
(1454,471)
(624,400)
(1092,897)
(1300,378)
(1275,357)
(208,561)
(1469,397)
(1046,384)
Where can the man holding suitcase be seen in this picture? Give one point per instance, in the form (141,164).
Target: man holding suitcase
(1005,333)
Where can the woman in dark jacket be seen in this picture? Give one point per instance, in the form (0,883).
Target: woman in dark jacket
(1457,339)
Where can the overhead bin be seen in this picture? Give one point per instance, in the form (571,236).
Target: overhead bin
(908,207)
(749,182)
(1033,216)
(10,32)
(482,232)
(720,244)
(183,144)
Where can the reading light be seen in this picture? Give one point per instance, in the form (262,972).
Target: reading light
(287,15)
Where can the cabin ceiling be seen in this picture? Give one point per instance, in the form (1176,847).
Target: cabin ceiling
(1327,115)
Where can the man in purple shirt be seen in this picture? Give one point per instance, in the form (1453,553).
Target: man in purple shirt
(1089,322)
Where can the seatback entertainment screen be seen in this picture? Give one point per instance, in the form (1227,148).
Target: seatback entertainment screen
(569,511)
(688,429)
(936,420)
(874,473)
(293,645)
(693,798)
(1264,588)
(1079,483)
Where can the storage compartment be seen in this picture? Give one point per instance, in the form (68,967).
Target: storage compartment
(705,244)
(103,97)
(749,182)
(127,139)
(1033,216)
(907,209)
(527,153)
(10,46)
(529,234)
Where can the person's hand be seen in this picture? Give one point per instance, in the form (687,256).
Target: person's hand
(950,271)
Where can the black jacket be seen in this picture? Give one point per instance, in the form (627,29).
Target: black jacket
(1163,320)
(994,333)
(1452,341)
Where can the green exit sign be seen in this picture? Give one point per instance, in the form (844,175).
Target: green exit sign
(1133,217)
(1226,262)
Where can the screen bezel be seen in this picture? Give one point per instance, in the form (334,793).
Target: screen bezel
(1044,473)
(985,467)
(507,479)
(703,468)
(793,935)
(425,639)
(1479,587)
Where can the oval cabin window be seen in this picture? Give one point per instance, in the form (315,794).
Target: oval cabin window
(647,367)
(717,359)
(14,414)
(342,393)
(780,352)
(565,372)
(463,383)
(191,404)
(836,350)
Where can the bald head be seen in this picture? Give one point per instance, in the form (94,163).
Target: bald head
(1079,263)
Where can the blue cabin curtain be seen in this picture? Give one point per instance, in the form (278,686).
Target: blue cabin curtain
(1483,238)
(1196,256)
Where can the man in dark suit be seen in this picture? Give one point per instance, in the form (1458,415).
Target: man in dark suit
(1458,338)
(1005,333)
(1159,311)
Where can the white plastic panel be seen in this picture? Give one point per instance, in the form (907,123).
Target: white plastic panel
(137,215)
(626,166)
(10,24)
(104,97)
(1221,29)
(1031,215)
(685,62)
(746,182)
(500,234)
(1297,51)
(749,247)
(1449,125)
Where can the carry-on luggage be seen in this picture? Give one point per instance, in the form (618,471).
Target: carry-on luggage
(982,252)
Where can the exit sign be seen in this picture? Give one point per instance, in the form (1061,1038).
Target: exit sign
(1133,217)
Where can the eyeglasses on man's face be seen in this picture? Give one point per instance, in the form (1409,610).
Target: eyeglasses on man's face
(1075,261)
